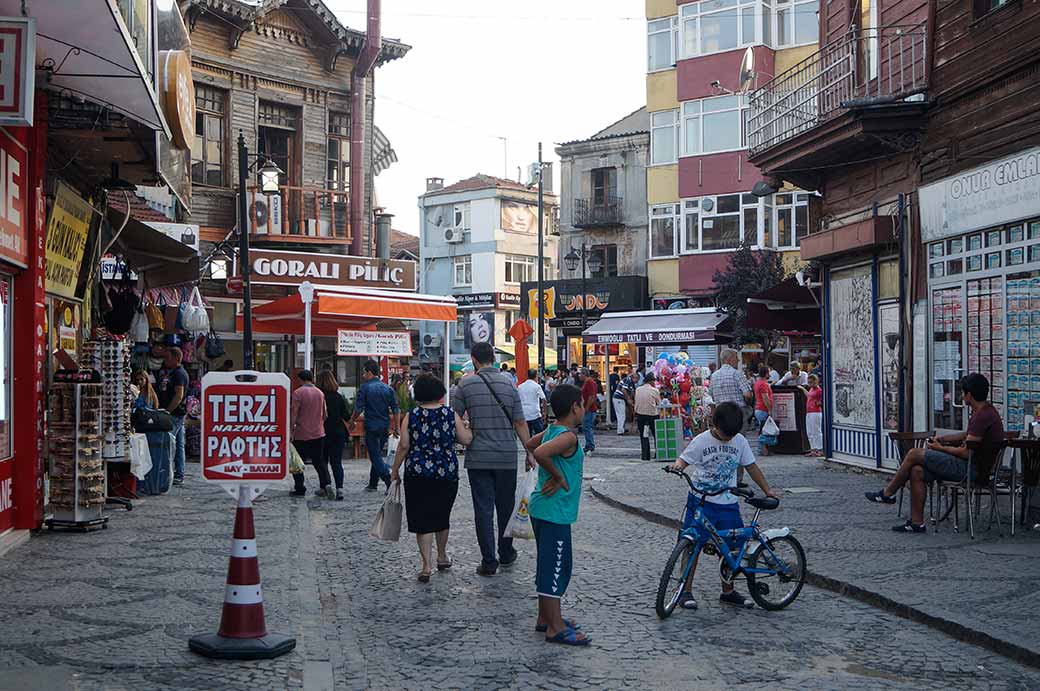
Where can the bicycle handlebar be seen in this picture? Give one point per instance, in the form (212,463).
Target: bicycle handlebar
(739,491)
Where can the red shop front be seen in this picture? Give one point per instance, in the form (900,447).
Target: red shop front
(23,350)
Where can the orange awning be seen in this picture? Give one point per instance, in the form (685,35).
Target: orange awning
(336,308)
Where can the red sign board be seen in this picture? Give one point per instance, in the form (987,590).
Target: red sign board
(14,192)
(6,496)
(245,427)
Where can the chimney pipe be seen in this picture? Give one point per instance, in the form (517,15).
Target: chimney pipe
(383,223)
(358,135)
(434,184)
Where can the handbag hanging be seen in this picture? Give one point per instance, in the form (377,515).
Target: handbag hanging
(151,420)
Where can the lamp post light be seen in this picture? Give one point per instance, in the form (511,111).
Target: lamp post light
(269,174)
(589,262)
(306,290)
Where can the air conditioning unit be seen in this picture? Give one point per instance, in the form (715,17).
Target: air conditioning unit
(453,235)
(265,212)
(431,341)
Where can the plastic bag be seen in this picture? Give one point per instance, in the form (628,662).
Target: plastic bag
(770,428)
(391,448)
(387,525)
(295,460)
(519,525)
(139,332)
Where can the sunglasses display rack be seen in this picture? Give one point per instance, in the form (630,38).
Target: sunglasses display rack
(112,359)
(77,472)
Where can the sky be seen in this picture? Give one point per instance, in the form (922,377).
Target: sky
(479,70)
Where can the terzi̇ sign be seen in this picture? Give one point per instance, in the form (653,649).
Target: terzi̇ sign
(273,267)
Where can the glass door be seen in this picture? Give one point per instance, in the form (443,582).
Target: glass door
(947,358)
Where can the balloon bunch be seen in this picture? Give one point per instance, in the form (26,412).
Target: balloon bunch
(674,373)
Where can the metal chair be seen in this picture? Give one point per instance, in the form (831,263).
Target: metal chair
(984,459)
(1029,454)
(906,441)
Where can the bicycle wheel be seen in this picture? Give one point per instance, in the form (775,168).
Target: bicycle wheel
(777,590)
(675,572)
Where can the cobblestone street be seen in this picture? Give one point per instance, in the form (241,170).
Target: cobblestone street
(114,609)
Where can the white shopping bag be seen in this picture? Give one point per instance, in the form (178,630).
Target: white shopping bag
(770,428)
(387,525)
(391,449)
(519,525)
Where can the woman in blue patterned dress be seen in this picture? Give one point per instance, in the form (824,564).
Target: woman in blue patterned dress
(431,469)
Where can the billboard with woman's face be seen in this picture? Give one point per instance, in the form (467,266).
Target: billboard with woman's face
(480,328)
(519,217)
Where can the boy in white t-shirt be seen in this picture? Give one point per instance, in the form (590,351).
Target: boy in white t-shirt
(713,458)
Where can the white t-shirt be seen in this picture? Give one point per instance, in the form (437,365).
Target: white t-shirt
(713,464)
(531,396)
(801,380)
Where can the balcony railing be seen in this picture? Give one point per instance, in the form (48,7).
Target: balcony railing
(865,67)
(604,211)
(301,212)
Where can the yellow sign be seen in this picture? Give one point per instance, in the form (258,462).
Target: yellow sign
(66,239)
(550,303)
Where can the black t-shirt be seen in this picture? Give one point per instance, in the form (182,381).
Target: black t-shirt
(167,383)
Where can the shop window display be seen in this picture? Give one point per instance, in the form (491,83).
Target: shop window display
(1023,349)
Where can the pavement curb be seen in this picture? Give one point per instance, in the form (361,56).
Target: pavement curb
(953,629)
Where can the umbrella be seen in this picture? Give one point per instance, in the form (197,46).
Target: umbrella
(521,331)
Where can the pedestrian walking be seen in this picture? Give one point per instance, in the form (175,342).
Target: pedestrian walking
(647,401)
(532,398)
(337,415)
(496,417)
(621,398)
(553,509)
(431,470)
(814,416)
(172,389)
(763,404)
(377,402)
(307,416)
(590,401)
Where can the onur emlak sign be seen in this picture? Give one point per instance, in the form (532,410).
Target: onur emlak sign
(245,427)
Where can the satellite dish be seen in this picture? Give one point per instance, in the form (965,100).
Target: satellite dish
(747,70)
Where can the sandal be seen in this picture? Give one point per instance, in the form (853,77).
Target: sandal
(443,565)
(424,576)
(569,623)
(568,637)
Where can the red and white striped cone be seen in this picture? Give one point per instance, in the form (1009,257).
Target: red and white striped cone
(242,634)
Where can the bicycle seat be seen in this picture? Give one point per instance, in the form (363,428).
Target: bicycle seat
(766,503)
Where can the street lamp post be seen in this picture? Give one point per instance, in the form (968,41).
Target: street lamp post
(589,262)
(269,174)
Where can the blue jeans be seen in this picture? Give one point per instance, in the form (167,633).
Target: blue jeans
(536,426)
(375,440)
(178,453)
(494,492)
(760,417)
(586,426)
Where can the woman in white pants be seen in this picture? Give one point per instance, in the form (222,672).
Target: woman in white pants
(814,416)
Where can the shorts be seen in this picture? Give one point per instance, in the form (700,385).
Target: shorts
(553,570)
(943,467)
(722,516)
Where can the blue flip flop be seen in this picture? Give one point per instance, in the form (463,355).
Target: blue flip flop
(569,623)
(568,637)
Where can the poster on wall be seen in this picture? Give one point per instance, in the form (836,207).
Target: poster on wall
(518,217)
(67,232)
(852,347)
(480,328)
(784,411)
(888,346)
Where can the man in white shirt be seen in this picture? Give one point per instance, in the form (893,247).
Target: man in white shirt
(532,398)
(795,377)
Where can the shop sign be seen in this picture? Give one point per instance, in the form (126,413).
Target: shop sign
(278,268)
(13,193)
(245,427)
(178,96)
(990,195)
(784,411)
(652,337)
(67,339)
(373,343)
(184,233)
(67,233)
(115,269)
(17,70)
(472,301)
(568,299)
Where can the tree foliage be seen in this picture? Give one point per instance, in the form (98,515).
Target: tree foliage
(749,272)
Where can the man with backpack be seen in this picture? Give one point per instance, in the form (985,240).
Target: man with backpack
(496,416)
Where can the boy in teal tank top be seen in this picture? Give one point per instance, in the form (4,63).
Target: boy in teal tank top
(553,508)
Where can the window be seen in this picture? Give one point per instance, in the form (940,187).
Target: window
(604,187)
(664,137)
(461,216)
(984,7)
(277,137)
(711,26)
(792,219)
(463,267)
(608,261)
(691,226)
(520,269)
(207,152)
(797,23)
(338,152)
(720,223)
(663,222)
(714,124)
(662,39)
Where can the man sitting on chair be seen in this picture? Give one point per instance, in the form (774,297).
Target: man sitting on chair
(944,458)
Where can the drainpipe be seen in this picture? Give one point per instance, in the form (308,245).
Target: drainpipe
(358,79)
(383,221)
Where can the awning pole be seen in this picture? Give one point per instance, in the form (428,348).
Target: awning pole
(307,296)
(447,365)
(606,375)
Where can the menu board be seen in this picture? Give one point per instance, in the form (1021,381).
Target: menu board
(1023,349)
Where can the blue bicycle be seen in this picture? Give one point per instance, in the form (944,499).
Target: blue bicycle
(772,561)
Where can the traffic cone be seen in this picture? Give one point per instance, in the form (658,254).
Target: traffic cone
(242,634)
